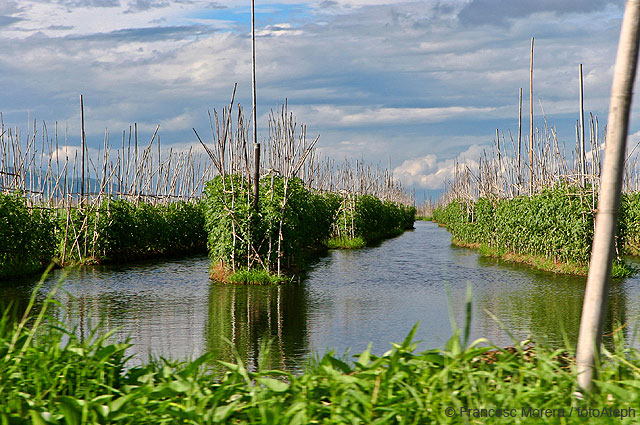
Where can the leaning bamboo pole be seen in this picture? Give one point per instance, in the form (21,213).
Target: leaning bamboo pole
(597,291)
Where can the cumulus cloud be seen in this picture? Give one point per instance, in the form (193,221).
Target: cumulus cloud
(422,81)
(498,11)
(429,172)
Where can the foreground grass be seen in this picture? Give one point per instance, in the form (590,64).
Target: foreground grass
(48,376)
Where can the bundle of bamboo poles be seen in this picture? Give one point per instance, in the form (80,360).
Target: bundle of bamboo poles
(502,172)
(52,171)
(48,171)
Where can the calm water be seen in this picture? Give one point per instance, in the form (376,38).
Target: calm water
(350,299)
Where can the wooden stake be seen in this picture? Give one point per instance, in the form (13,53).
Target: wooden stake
(519,138)
(256,176)
(597,291)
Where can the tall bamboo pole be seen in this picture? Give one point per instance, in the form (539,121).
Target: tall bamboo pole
(519,138)
(83,145)
(531,121)
(256,145)
(597,291)
(583,165)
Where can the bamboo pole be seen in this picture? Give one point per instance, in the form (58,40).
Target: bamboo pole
(531,121)
(256,145)
(83,143)
(519,138)
(583,166)
(597,291)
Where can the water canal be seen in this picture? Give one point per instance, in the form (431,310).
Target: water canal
(375,295)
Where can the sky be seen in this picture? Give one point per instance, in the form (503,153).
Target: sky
(414,84)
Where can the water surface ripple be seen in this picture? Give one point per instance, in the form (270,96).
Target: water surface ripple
(350,299)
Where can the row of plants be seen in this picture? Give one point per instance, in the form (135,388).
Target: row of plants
(120,230)
(290,224)
(556,224)
(116,230)
(371,219)
(27,238)
(50,376)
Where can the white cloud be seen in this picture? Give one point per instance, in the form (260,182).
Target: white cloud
(429,172)
(373,77)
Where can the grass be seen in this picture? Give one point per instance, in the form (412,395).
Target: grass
(344,242)
(220,273)
(49,376)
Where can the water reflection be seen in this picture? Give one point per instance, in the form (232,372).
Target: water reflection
(543,306)
(375,295)
(243,320)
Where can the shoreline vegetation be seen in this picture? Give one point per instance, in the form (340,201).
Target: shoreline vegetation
(535,203)
(134,202)
(551,230)
(50,376)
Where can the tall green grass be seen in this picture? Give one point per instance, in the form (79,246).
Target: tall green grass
(49,376)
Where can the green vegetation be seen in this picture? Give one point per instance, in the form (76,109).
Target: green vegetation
(119,230)
(256,277)
(49,376)
(552,229)
(291,225)
(424,218)
(27,241)
(344,242)
(371,219)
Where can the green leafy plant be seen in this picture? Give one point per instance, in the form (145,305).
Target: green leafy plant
(556,224)
(27,240)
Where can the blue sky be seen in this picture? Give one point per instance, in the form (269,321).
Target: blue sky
(420,82)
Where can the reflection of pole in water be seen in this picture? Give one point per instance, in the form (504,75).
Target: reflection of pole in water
(280,343)
(269,312)
(279,315)
(233,315)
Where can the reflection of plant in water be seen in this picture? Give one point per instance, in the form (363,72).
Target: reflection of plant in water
(549,306)
(244,318)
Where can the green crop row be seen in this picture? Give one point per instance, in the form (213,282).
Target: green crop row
(239,234)
(556,224)
(291,222)
(118,230)
(27,237)
(50,376)
(371,219)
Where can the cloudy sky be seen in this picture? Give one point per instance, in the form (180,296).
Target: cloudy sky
(417,82)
